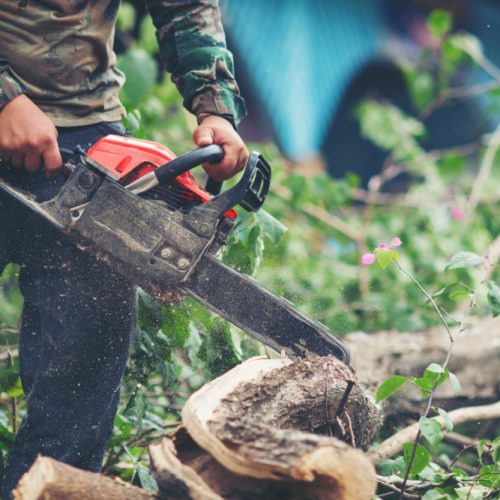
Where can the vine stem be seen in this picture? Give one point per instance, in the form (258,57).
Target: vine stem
(429,297)
(444,366)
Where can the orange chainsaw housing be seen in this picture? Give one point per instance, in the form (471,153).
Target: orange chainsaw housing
(126,159)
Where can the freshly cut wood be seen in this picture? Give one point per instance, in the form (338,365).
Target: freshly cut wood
(182,478)
(49,479)
(475,360)
(258,424)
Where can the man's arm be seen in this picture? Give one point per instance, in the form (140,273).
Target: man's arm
(26,133)
(193,49)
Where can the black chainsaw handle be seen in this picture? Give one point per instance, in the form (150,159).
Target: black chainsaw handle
(208,154)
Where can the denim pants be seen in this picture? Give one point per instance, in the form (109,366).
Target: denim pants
(76,329)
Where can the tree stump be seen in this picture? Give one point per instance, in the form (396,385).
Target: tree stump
(273,428)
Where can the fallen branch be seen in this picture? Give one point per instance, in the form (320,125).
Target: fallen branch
(49,479)
(481,178)
(394,444)
(377,356)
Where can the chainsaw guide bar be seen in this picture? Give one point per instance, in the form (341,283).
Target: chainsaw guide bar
(135,206)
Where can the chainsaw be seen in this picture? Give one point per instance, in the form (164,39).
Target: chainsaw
(136,206)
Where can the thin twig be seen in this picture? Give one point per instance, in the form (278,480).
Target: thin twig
(482,177)
(436,382)
(345,397)
(13,401)
(320,214)
(429,298)
(394,444)
(351,430)
(395,489)
(468,91)
(460,453)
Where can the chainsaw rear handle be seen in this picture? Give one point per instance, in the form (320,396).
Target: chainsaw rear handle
(169,171)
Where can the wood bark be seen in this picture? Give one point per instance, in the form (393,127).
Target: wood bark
(255,429)
(49,479)
(475,361)
(273,428)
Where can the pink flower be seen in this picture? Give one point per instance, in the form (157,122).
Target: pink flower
(383,245)
(396,241)
(368,259)
(457,213)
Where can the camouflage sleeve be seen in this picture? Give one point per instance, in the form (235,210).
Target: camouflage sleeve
(193,49)
(9,86)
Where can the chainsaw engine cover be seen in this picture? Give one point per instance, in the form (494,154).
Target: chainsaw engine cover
(125,159)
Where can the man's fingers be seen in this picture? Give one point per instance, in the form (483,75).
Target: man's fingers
(224,169)
(52,160)
(32,161)
(203,136)
(243,158)
(17,159)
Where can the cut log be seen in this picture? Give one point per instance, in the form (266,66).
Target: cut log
(257,424)
(49,479)
(474,360)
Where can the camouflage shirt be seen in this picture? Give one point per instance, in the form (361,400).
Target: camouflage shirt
(60,53)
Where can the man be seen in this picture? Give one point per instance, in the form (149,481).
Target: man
(59,89)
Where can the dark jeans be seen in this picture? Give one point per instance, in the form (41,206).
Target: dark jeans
(76,329)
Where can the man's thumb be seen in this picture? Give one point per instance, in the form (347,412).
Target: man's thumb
(203,136)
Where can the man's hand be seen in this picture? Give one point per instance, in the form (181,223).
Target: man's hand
(28,136)
(217,130)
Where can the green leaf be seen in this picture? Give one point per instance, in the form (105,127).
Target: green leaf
(6,438)
(133,121)
(455,383)
(448,424)
(435,368)
(147,36)
(385,256)
(421,460)
(489,476)
(459,294)
(433,373)
(217,349)
(496,450)
(126,17)
(431,430)
(470,44)
(450,166)
(272,228)
(436,494)
(386,125)
(389,467)
(424,383)
(389,387)
(141,71)
(439,23)
(494,297)
(139,407)
(482,445)
(463,260)
(146,478)
(175,325)
(421,85)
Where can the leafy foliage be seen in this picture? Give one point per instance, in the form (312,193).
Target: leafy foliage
(312,260)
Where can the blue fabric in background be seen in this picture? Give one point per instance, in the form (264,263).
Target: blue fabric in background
(301,55)
(305,55)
